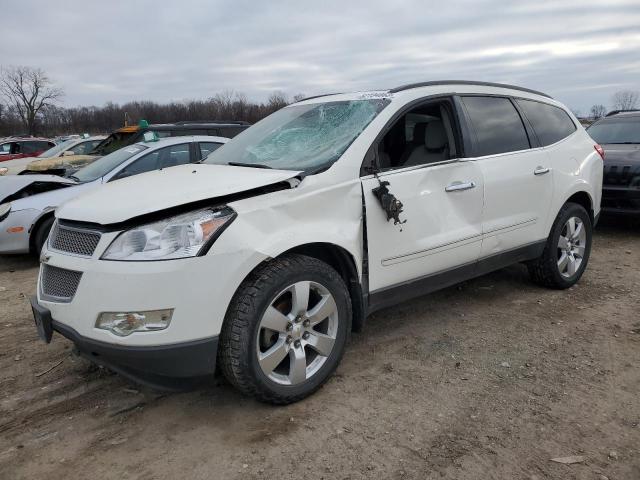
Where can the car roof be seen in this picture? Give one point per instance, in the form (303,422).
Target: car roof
(190,125)
(26,139)
(162,142)
(467,87)
(623,114)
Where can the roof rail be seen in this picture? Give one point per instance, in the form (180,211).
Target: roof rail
(220,122)
(319,96)
(615,112)
(465,82)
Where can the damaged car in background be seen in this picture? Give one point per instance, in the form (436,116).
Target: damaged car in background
(27,202)
(263,259)
(55,155)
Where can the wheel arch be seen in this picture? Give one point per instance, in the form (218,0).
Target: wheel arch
(36,225)
(344,263)
(583,198)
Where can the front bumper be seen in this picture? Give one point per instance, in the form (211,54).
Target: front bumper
(166,367)
(620,200)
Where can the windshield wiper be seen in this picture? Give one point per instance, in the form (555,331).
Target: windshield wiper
(73,177)
(623,143)
(251,165)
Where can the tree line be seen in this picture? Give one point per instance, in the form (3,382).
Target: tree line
(28,106)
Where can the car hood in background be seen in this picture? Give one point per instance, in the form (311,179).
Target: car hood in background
(75,161)
(12,184)
(159,190)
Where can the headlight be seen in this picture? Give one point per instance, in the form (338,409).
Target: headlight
(5,208)
(182,236)
(3,170)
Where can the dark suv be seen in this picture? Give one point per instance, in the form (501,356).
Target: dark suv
(619,135)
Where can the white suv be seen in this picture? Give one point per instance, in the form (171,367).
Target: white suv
(265,257)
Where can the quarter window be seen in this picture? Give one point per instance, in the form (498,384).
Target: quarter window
(207,147)
(497,125)
(550,123)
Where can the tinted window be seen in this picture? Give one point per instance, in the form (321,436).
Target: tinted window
(497,125)
(616,130)
(33,147)
(161,158)
(550,123)
(207,147)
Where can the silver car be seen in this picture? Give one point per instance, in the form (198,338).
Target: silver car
(27,202)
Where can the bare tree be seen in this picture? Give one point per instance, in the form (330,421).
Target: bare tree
(597,111)
(28,90)
(625,100)
(298,97)
(277,100)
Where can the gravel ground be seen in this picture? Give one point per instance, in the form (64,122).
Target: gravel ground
(489,379)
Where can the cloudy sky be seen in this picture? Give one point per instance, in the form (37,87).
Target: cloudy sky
(97,51)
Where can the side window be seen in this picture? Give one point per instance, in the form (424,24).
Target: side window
(207,147)
(421,136)
(174,155)
(144,164)
(5,148)
(83,148)
(550,123)
(497,125)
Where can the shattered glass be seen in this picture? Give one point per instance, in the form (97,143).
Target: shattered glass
(301,137)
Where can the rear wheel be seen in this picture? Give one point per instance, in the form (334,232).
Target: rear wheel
(41,234)
(286,329)
(566,253)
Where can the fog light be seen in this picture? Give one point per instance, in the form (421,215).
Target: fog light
(126,323)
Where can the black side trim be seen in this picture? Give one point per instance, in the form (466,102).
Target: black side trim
(465,82)
(167,367)
(414,288)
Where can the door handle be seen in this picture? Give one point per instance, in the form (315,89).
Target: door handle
(459,186)
(541,170)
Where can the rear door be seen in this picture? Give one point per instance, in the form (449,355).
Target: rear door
(518,184)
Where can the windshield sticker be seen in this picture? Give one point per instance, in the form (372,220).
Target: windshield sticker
(132,150)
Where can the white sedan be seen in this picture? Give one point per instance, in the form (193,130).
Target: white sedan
(27,202)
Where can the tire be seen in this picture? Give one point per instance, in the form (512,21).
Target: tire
(250,349)
(554,268)
(41,234)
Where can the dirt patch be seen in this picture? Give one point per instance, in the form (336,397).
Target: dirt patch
(488,379)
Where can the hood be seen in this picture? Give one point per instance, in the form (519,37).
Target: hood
(20,186)
(43,164)
(159,190)
(616,153)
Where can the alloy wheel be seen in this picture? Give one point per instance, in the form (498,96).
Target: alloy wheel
(571,247)
(297,333)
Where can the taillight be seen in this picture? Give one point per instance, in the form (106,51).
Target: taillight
(600,150)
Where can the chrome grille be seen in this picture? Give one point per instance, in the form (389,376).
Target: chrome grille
(73,240)
(59,284)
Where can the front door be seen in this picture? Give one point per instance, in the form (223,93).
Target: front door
(442,206)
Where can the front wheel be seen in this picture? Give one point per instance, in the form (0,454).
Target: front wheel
(566,253)
(286,329)
(41,234)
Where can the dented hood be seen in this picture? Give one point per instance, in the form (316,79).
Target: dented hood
(12,184)
(162,189)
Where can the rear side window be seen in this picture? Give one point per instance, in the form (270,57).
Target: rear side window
(550,123)
(207,147)
(33,147)
(497,125)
